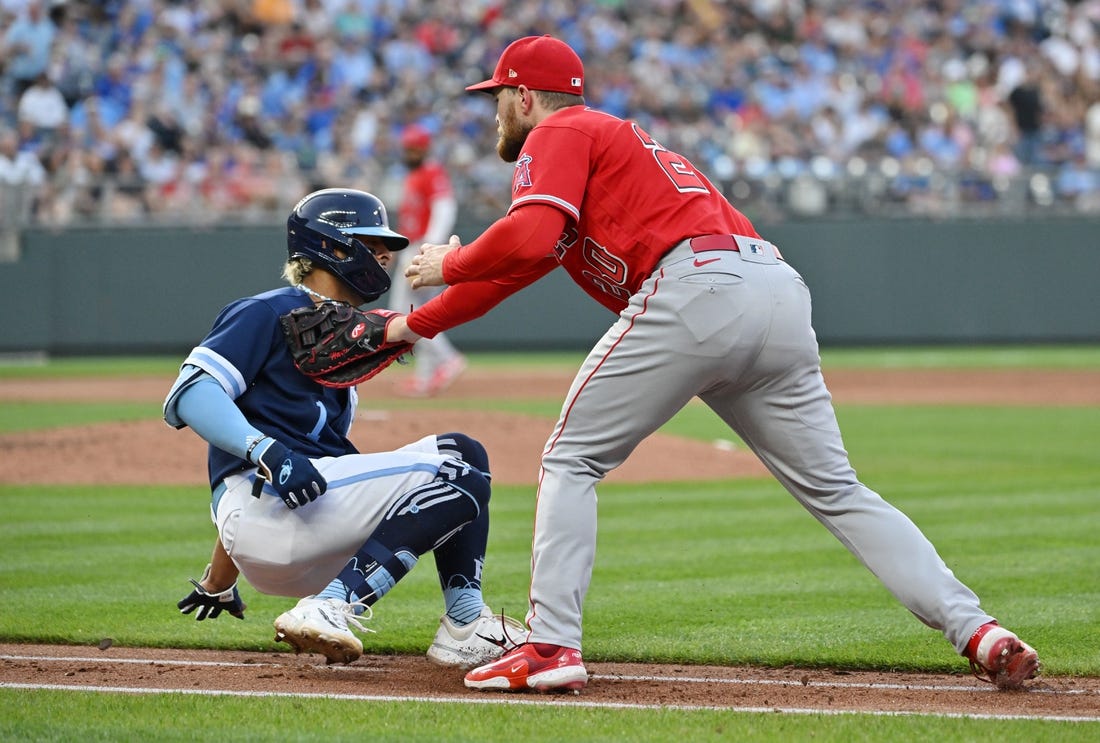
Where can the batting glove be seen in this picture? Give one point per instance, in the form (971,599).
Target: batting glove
(292,475)
(211,604)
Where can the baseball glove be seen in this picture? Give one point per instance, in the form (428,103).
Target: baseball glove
(338,345)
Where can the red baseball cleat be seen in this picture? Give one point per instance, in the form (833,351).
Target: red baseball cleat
(1000,657)
(446,374)
(535,666)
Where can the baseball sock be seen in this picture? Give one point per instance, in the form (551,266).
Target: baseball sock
(464,605)
(370,575)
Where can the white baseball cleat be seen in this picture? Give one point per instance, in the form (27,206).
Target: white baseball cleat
(482,640)
(321,626)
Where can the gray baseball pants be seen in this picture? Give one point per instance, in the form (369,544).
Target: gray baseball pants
(734,329)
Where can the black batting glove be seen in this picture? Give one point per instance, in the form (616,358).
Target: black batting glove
(292,475)
(211,604)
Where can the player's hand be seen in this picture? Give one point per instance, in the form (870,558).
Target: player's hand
(211,604)
(398,330)
(426,269)
(292,475)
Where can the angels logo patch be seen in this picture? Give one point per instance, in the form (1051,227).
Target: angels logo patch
(522,176)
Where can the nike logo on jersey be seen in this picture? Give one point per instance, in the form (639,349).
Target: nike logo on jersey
(699,264)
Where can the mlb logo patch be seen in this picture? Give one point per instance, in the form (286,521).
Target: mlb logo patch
(575,82)
(755,249)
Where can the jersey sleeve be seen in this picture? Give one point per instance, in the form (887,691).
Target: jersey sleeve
(461,303)
(512,244)
(234,351)
(553,168)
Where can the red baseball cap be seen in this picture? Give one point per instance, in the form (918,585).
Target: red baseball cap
(540,63)
(415,136)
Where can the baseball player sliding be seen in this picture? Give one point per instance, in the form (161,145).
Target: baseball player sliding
(299,511)
(706,307)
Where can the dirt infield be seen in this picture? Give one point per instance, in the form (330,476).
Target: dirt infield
(144,452)
(610,684)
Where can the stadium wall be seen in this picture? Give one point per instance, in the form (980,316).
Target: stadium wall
(875,282)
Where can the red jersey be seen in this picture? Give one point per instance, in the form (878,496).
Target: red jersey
(626,201)
(422,186)
(627,198)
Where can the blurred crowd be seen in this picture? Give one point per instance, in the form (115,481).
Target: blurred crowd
(198,111)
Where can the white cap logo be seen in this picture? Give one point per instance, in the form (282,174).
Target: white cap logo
(512,73)
(575,82)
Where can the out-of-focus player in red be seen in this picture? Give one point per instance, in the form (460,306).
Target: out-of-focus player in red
(426,214)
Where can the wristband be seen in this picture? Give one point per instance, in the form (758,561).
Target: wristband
(248,453)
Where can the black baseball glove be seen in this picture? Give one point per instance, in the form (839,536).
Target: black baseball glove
(338,345)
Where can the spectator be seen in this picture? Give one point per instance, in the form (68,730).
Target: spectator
(1092,134)
(43,108)
(835,80)
(1026,103)
(1077,183)
(21,177)
(126,199)
(26,47)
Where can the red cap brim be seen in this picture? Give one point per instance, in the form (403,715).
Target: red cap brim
(488,85)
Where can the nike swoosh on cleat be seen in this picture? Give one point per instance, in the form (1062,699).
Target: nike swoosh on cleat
(699,264)
(517,667)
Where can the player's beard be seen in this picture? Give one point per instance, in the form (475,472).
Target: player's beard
(513,135)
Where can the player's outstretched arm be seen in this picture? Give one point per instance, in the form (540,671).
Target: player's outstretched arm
(510,246)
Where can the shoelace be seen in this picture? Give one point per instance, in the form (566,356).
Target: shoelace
(356,620)
(505,642)
(980,672)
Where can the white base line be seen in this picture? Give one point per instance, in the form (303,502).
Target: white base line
(521,701)
(983,688)
(511,700)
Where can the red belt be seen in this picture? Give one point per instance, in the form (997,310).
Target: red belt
(718,242)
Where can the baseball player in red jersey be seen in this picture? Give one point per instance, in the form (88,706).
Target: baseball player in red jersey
(426,214)
(706,308)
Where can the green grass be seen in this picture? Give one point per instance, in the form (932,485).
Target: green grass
(922,357)
(704,572)
(176,717)
(19,367)
(964,357)
(30,416)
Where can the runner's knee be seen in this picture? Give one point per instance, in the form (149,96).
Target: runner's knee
(467,449)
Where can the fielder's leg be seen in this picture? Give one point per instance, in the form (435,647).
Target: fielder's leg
(783,411)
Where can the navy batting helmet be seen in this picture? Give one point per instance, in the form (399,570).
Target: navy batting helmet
(328,220)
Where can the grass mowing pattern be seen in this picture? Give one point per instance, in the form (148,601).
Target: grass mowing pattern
(713,572)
